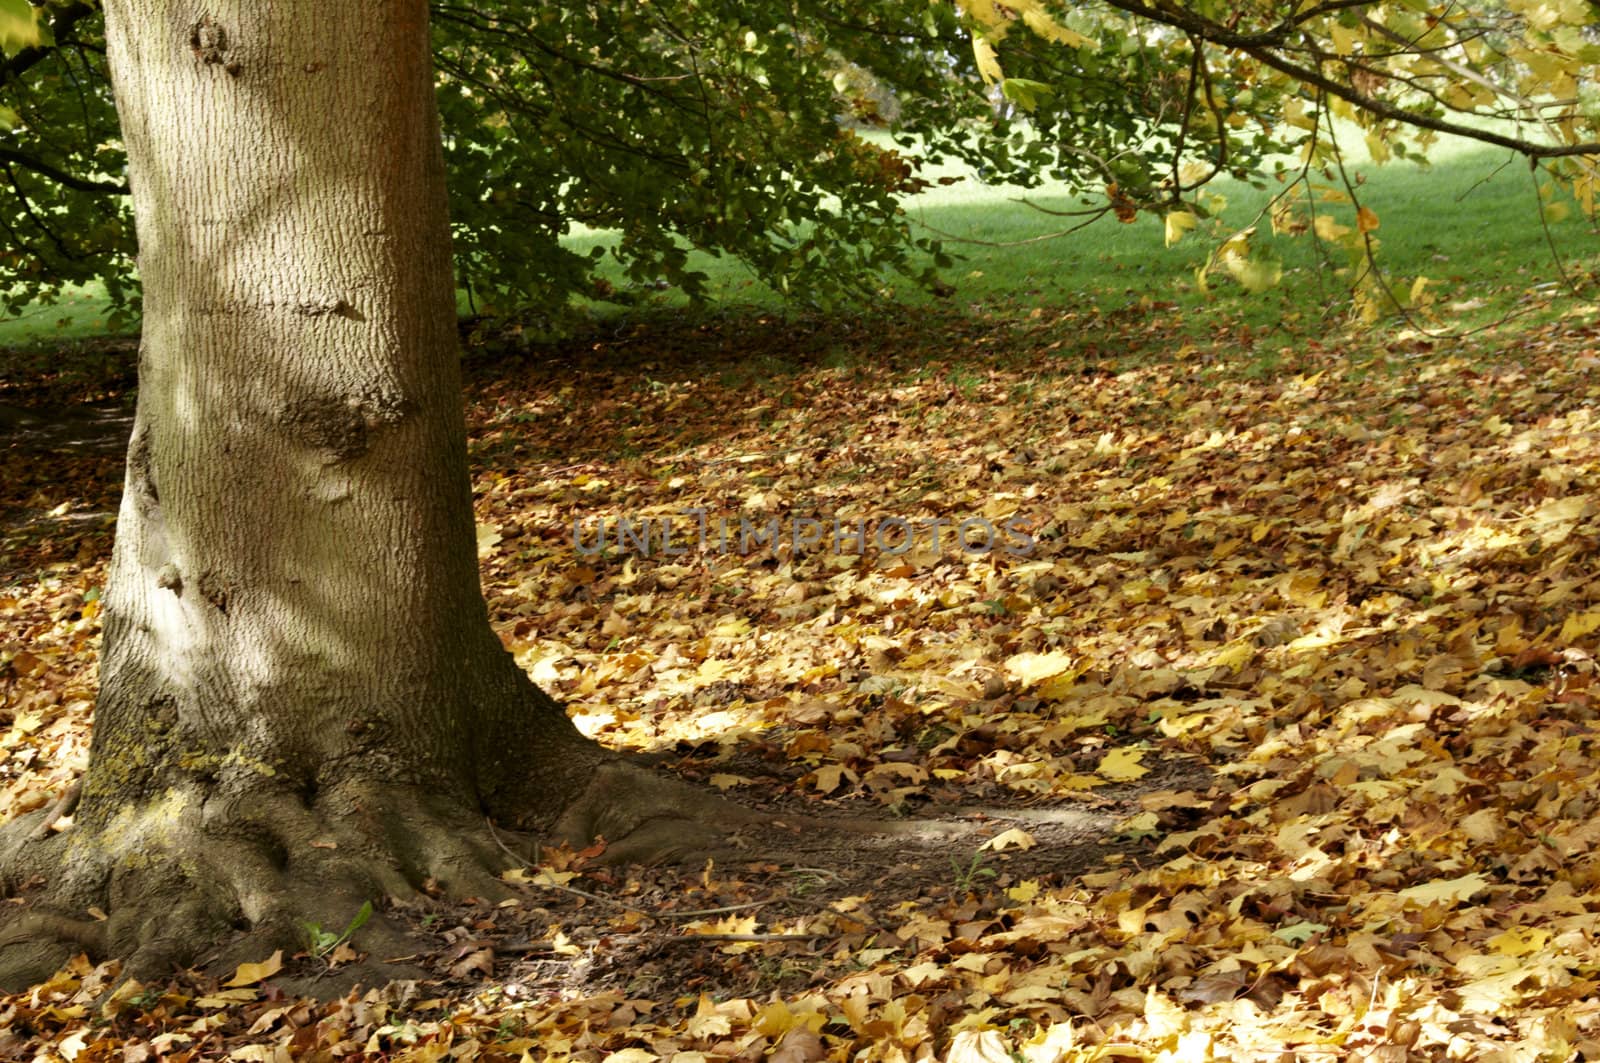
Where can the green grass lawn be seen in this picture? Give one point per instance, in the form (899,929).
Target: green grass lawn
(81,313)
(1469,223)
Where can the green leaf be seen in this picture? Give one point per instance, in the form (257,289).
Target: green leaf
(19,26)
(1025,93)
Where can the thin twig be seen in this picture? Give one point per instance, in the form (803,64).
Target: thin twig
(1550,237)
(679,938)
(601,898)
(712,911)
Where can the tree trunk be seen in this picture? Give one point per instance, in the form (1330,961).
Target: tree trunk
(294,588)
(302,703)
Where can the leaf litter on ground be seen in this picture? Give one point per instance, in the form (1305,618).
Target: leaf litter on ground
(1281,738)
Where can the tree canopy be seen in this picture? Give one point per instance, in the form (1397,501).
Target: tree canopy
(747,130)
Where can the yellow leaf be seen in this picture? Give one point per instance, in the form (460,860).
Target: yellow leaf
(1447,891)
(979,1046)
(1052,30)
(1164,1016)
(922,973)
(732,627)
(253,1054)
(1015,838)
(1578,625)
(1025,891)
(1366,219)
(1253,274)
(1144,824)
(19,27)
(1482,826)
(776,1019)
(1328,229)
(988,60)
(829,777)
(251,973)
(1234,655)
(707,1021)
(1520,941)
(1294,112)
(1555,520)
(1032,668)
(1059,687)
(228,998)
(1122,765)
(1050,1044)
(722,781)
(1178,223)
(488,538)
(632,1055)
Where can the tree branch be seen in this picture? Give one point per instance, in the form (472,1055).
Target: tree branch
(1259,46)
(62,177)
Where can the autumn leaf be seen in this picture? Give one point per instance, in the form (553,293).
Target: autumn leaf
(979,1046)
(249,974)
(488,538)
(1023,892)
(1179,222)
(1030,669)
(830,777)
(1014,838)
(1448,892)
(1122,765)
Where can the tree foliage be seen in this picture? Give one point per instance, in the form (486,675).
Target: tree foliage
(1254,89)
(745,130)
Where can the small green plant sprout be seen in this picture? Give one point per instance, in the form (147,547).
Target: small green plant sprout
(321,943)
(967,875)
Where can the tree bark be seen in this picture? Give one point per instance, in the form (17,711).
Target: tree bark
(294,584)
(302,702)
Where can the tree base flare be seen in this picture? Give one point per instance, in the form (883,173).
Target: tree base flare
(185,880)
(182,881)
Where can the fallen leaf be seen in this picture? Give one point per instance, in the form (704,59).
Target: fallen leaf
(1448,891)
(1015,838)
(1122,765)
(251,973)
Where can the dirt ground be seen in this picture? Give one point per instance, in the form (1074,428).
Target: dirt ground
(643,931)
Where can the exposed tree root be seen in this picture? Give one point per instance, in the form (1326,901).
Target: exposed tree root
(648,817)
(221,881)
(188,879)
